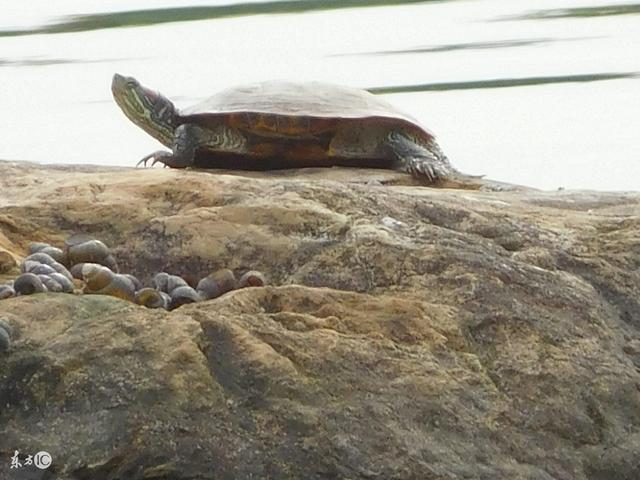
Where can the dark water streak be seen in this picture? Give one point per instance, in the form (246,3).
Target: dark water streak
(524,42)
(44,62)
(579,12)
(502,83)
(133,18)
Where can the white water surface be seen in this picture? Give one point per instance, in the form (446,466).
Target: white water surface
(57,108)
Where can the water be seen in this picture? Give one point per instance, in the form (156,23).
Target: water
(541,93)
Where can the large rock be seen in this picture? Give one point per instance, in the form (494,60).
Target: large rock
(411,332)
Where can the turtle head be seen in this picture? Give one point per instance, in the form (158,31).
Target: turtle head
(150,110)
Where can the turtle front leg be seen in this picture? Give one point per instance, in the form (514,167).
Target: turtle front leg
(423,161)
(189,138)
(155,157)
(185,142)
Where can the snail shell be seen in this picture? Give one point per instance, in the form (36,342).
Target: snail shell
(50,276)
(40,257)
(28,283)
(84,249)
(76,270)
(166,299)
(54,252)
(44,259)
(167,283)
(96,276)
(38,268)
(183,295)
(152,298)
(110,261)
(65,283)
(91,251)
(100,280)
(120,287)
(50,283)
(174,281)
(6,291)
(252,278)
(160,281)
(136,283)
(216,284)
(37,246)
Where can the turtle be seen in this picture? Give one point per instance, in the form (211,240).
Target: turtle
(282,124)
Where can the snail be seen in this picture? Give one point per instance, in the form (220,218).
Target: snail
(136,283)
(37,246)
(100,280)
(53,275)
(76,270)
(37,268)
(152,298)
(28,283)
(43,259)
(54,252)
(183,295)
(7,291)
(91,261)
(84,249)
(50,284)
(179,291)
(167,283)
(216,284)
(66,284)
(174,281)
(252,278)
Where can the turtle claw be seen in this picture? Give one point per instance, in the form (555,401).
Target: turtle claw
(156,157)
(421,169)
(424,161)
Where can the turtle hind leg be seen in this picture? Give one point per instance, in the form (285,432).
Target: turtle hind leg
(425,162)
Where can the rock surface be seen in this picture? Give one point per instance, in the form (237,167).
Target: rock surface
(412,333)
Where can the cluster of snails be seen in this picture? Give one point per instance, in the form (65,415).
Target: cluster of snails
(51,269)
(171,291)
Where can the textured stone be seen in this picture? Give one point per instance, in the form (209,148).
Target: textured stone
(7,262)
(411,332)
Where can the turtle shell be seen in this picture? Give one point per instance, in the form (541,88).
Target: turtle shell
(287,109)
